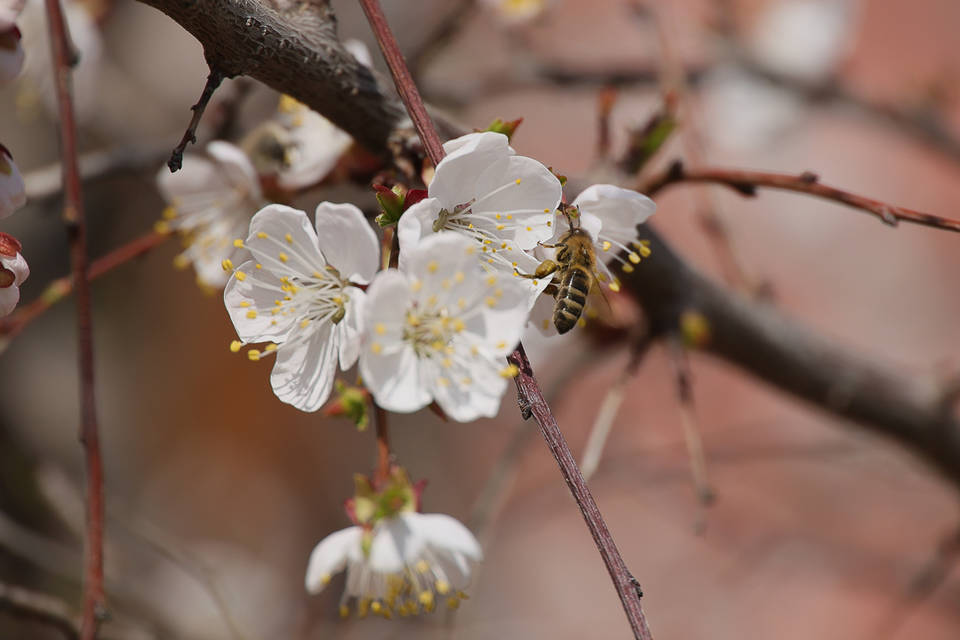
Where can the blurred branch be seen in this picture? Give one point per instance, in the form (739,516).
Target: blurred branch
(746,183)
(40,607)
(94,600)
(60,288)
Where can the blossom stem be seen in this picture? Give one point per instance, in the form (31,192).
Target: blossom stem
(94,599)
(528,389)
(403,80)
(384,458)
(60,288)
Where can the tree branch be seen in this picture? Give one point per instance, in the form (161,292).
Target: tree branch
(94,601)
(746,184)
(214,78)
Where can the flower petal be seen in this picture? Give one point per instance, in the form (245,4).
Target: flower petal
(236,166)
(347,241)
(524,189)
(251,304)
(303,373)
(444,532)
(619,210)
(395,546)
(467,157)
(349,331)
(316,147)
(330,556)
(415,224)
(284,242)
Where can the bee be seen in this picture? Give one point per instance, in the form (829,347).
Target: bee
(574,271)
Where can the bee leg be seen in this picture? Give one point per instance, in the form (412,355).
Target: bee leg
(545,268)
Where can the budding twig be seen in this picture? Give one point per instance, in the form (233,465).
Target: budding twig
(94,601)
(746,184)
(190,135)
(530,396)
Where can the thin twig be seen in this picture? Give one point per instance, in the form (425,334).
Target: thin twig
(688,419)
(94,601)
(190,135)
(41,607)
(403,81)
(530,396)
(746,184)
(62,287)
(384,457)
(602,425)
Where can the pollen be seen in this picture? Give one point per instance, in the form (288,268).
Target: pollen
(235,346)
(376,348)
(241,276)
(461,303)
(498,216)
(627,268)
(443,587)
(443,382)
(453,603)
(181,262)
(288,238)
(500,227)
(458,277)
(380,329)
(491,280)
(259,266)
(161,227)
(251,314)
(283,257)
(615,286)
(501,345)
(432,266)
(517,181)
(509,216)
(227,265)
(416,285)
(270,347)
(238,243)
(491,301)
(634,257)
(244,303)
(422,566)
(253,355)
(529,228)
(581,322)
(344,611)
(458,325)
(549,223)
(606,245)
(546,210)
(510,371)
(262,235)
(169,213)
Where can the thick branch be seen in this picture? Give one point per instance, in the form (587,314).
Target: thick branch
(746,183)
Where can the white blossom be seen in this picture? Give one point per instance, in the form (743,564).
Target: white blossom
(298,294)
(312,146)
(211,200)
(484,191)
(405,564)
(11,50)
(438,330)
(12,191)
(516,12)
(13,271)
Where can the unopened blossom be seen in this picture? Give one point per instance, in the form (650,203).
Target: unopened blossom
(482,190)
(312,146)
(13,271)
(610,214)
(439,329)
(12,191)
(515,12)
(211,200)
(11,50)
(406,564)
(298,294)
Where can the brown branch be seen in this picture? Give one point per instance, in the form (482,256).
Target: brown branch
(530,396)
(40,607)
(94,601)
(746,183)
(60,288)
(214,78)
(384,457)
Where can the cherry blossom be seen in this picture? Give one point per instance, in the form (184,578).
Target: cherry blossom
(312,147)
(298,293)
(438,330)
(211,201)
(13,271)
(404,564)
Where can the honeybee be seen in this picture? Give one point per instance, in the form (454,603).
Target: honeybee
(574,271)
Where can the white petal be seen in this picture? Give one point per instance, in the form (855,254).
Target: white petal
(17,264)
(236,166)
(9,297)
(541,316)
(349,331)
(317,145)
(524,189)
(347,241)
(283,241)
(303,373)
(506,319)
(415,224)
(251,302)
(471,402)
(619,210)
(395,545)
(438,259)
(467,157)
(444,532)
(330,556)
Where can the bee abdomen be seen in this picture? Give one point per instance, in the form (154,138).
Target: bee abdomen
(571,298)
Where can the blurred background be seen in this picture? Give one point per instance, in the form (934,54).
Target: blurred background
(217,492)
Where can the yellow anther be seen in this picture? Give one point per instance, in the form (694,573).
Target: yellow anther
(416,285)
(458,277)
(380,328)
(437,345)
(498,293)
(453,603)
(509,216)
(238,243)
(529,228)
(288,238)
(442,587)
(581,322)
(241,276)
(443,382)
(283,257)
(491,280)
(549,223)
(432,266)
(288,104)
(376,348)
(510,371)
(412,320)
(337,300)
(426,599)
(161,227)
(504,246)
(644,251)
(235,346)
(227,265)
(270,347)
(446,363)
(467,381)
(422,566)
(474,350)
(279,303)
(615,286)
(458,325)
(344,611)
(244,303)
(325,578)
(253,354)
(546,211)
(606,245)
(251,314)
(376,607)
(501,345)
(181,262)
(262,235)
(634,257)
(500,227)
(491,301)
(497,216)
(169,213)
(461,303)
(517,181)
(259,266)
(470,225)
(627,268)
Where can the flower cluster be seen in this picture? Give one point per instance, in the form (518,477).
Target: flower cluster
(13,267)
